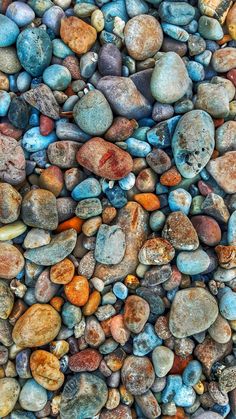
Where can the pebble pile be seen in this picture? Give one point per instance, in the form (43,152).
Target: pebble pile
(118,209)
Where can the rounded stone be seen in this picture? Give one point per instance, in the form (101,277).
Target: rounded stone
(143,37)
(39,209)
(11,261)
(33,397)
(63,154)
(110,245)
(193,263)
(109,60)
(92,113)
(136,313)
(83,396)
(86,360)
(9,31)
(10,203)
(6,300)
(170,80)
(45,369)
(137,374)
(77,34)
(34,49)
(38,326)
(9,61)
(20,13)
(104,159)
(208,229)
(57,77)
(12,161)
(193,311)
(223,59)
(9,390)
(193,142)
(180,232)
(162,359)
(156,251)
(220,330)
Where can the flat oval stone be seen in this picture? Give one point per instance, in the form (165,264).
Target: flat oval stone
(34,49)
(193,263)
(170,80)
(45,369)
(20,13)
(10,203)
(92,113)
(209,97)
(63,154)
(137,374)
(223,60)
(39,209)
(42,98)
(193,142)
(207,228)
(136,313)
(110,245)
(38,326)
(193,311)
(104,159)
(223,170)
(33,397)
(86,360)
(9,31)
(124,97)
(59,248)
(11,261)
(156,251)
(12,161)
(220,330)
(36,237)
(162,359)
(180,232)
(143,36)
(9,389)
(83,396)
(7,300)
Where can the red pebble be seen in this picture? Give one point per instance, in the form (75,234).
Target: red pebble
(231,75)
(10,131)
(86,360)
(204,188)
(180,364)
(46,125)
(218,122)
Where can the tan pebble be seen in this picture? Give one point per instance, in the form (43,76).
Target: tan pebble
(91,226)
(9,390)
(55,405)
(10,231)
(11,261)
(4,82)
(62,272)
(215,8)
(45,369)
(231,21)
(97,20)
(59,348)
(113,398)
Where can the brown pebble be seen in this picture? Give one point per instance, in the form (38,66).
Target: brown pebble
(77,34)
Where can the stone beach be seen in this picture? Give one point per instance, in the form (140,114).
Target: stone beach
(117,209)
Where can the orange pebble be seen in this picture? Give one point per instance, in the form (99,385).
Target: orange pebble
(149,201)
(132,282)
(108,214)
(106,326)
(74,222)
(180,414)
(57,303)
(92,303)
(218,122)
(62,272)
(226,38)
(180,364)
(77,291)
(215,154)
(171,177)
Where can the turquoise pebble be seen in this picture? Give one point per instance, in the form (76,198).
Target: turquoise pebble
(146,341)
(12,82)
(127,182)
(88,64)
(227,305)
(111,10)
(175,32)
(88,208)
(88,188)
(157,220)
(160,136)
(192,373)
(23,81)
(5,100)
(40,6)
(34,118)
(179,13)
(192,263)
(231,234)
(57,77)
(18,414)
(70,103)
(108,346)
(185,396)
(120,290)
(183,106)
(180,200)
(195,71)
(137,148)
(210,28)
(141,133)
(33,141)
(52,18)
(60,49)
(191,27)
(9,31)
(221,410)
(34,50)
(136,7)
(204,57)
(116,196)
(33,397)
(20,13)
(71,315)
(173,385)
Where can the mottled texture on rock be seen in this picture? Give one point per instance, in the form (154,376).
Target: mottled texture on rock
(11,261)
(179,231)
(77,34)
(156,251)
(39,209)
(12,161)
(42,98)
(208,352)
(137,374)
(10,202)
(223,170)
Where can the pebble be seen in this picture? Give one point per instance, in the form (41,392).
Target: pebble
(197,309)
(11,261)
(9,31)
(12,166)
(223,59)
(20,13)
(180,231)
(137,374)
(45,369)
(156,251)
(162,359)
(39,209)
(10,203)
(9,62)
(208,99)
(57,77)
(41,98)
(63,154)
(222,169)
(208,230)
(33,397)
(10,390)
(78,35)
(136,313)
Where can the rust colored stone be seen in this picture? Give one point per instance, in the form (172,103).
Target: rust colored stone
(78,35)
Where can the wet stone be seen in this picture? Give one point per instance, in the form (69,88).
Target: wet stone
(110,245)
(137,374)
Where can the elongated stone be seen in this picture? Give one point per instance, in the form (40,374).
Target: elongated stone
(42,98)
(11,261)
(110,245)
(12,161)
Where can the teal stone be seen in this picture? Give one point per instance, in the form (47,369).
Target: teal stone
(57,77)
(9,31)
(83,396)
(193,142)
(92,113)
(204,57)
(110,245)
(176,13)
(192,373)
(33,141)
(231,234)
(88,208)
(210,28)
(169,81)
(60,49)
(5,100)
(185,396)
(40,6)
(137,148)
(175,32)
(146,341)
(157,220)
(192,263)
(33,397)
(88,188)
(195,71)
(71,315)
(23,81)
(180,200)
(111,10)
(136,7)
(160,136)
(227,305)
(34,50)
(173,385)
